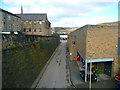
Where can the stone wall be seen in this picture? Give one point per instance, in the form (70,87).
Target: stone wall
(119,46)
(36,27)
(119,53)
(9,21)
(102,42)
(79,36)
(23,57)
(1,23)
(99,40)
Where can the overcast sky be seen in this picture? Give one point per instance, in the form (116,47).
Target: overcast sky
(67,13)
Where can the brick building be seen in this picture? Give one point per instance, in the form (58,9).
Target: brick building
(36,24)
(9,21)
(99,40)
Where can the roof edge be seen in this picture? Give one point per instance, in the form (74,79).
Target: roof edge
(9,12)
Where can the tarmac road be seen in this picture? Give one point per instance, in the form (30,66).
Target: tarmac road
(56,74)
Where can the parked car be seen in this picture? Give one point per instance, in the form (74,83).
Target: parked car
(117,80)
(93,76)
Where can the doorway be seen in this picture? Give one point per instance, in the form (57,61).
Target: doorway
(107,68)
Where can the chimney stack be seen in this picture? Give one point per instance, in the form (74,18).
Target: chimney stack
(21,9)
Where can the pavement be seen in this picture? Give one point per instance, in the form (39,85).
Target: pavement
(103,82)
(75,75)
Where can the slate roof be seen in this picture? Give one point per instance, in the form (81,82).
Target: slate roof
(42,16)
(8,12)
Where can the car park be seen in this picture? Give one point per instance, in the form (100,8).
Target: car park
(93,76)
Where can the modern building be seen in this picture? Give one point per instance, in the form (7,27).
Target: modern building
(36,24)
(9,22)
(100,41)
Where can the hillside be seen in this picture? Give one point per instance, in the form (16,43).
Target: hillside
(61,28)
(68,31)
(109,23)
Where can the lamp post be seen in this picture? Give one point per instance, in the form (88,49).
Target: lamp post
(85,70)
(90,70)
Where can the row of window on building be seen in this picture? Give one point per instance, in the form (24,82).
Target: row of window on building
(10,17)
(3,22)
(35,22)
(10,25)
(30,30)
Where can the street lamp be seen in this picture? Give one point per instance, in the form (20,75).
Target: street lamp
(90,70)
(85,70)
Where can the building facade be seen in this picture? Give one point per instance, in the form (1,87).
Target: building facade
(99,40)
(119,51)
(36,24)
(9,21)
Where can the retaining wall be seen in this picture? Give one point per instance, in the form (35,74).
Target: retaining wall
(23,57)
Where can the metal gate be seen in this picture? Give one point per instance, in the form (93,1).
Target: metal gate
(107,68)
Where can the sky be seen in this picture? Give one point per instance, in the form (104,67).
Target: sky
(67,13)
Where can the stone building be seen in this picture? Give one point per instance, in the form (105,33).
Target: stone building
(9,21)
(36,24)
(99,40)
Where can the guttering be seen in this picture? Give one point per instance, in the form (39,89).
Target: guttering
(81,55)
(96,60)
(100,60)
